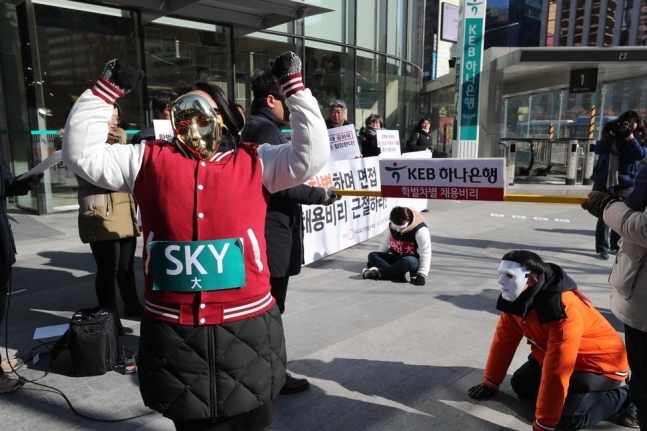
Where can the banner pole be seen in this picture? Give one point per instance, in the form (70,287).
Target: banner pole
(548,199)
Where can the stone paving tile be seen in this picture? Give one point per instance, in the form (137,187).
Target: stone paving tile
(379,355)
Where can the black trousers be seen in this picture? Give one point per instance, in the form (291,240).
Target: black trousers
(591,398)
(4,290)
(254,420)
(280,290)
(636,342)
(115,265)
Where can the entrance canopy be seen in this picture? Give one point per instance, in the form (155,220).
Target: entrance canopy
(245,16)
(526,70)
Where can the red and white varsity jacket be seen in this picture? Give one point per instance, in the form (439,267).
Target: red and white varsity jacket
(185,199)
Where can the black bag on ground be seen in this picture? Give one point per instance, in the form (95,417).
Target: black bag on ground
(92,339)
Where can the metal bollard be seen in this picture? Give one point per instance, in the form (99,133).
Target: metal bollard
(511,161)
(590,162)
(571,167)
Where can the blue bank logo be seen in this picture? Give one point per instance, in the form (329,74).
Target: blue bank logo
(394,171)
(474,7)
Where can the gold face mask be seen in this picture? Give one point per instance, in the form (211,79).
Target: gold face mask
(197,125)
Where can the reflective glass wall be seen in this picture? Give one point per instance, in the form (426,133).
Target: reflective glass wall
(367,53)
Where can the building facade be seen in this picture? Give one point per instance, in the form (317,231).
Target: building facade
(366,52)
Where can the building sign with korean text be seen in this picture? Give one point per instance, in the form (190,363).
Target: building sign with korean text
(459,179)
(471,65)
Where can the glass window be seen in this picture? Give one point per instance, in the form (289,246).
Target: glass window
(393,115)
(415,30)
(412,107)
(179,52)
(371,85)
(72,43)
(372,32)
(254,52)
(337,26)
(329,71)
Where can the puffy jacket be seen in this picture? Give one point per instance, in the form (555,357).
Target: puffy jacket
(630,154)
(105,215)
(566,334)
(629,272)
(202,354)
(420,141)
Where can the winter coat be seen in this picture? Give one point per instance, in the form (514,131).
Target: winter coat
(283,226)
(9,186)
(566,335)
(367,140)
(204,354)
(420,141)
(105,215)
(630,154)
(629,272)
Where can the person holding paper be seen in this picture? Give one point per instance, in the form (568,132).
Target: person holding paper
(283,226)
(405,250)
(367,137)
(336,114)
(108,222)
(9,186)
(212,346)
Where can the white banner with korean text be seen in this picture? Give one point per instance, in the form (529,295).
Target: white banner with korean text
(350,220)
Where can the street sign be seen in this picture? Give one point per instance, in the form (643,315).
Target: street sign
(583,81)
(471,65)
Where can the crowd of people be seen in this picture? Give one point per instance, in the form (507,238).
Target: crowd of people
(172,192)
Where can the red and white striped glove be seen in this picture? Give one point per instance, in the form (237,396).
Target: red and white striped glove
(118,78)
(286,68)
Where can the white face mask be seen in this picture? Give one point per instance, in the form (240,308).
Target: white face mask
(399,228)
(513,279)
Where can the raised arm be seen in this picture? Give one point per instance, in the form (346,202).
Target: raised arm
(288,165)
(85,151)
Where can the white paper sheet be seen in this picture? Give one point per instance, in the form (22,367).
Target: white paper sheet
(50,331)
(53,159)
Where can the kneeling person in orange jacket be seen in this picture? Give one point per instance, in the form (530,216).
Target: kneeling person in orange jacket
(578,360)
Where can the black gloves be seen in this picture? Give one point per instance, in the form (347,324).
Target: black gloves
(622,130)
(419,281)
(331,196)
(122,75)
(22,186)
(286,68)
(597,202)
(284,65)
(481,392)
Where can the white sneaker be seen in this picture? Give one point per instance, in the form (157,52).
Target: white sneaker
(11,365)
(9,382)
(371,273)
(406,277)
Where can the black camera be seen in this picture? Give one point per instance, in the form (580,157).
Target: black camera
(624,127)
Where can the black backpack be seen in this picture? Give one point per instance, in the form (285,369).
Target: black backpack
(92,340)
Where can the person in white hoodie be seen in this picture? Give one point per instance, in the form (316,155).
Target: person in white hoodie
(405,250)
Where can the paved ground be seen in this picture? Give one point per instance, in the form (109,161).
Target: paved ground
(379,355)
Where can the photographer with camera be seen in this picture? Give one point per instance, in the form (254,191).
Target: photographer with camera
(619,154)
